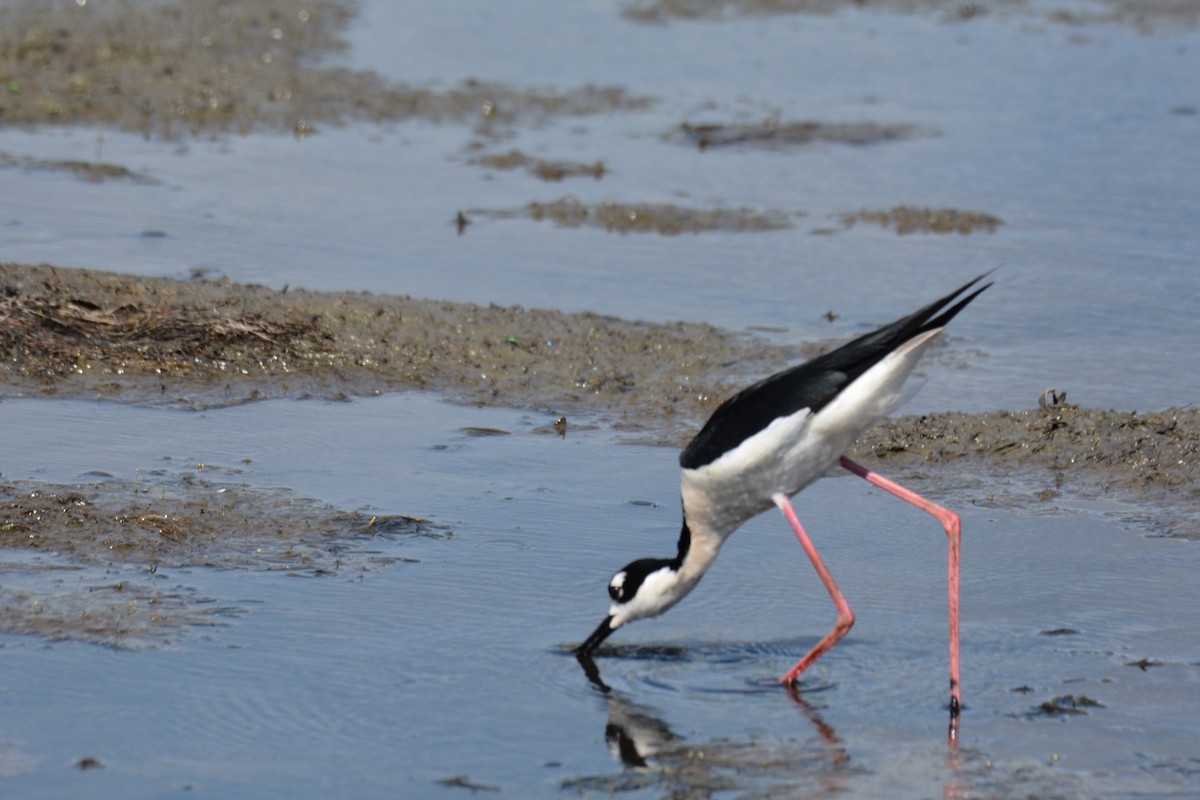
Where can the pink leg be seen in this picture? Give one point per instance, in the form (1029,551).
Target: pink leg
(953,528)
(845,617)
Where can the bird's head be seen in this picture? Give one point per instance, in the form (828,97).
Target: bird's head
(645,588)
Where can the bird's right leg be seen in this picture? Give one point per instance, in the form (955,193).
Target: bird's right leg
(845,617)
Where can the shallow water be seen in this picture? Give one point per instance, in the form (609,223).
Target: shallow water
(449,669)
(452,663)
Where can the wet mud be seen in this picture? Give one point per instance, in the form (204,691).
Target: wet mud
(111,544)
(1146,465)
(541,168)
(664,219)
(670,219)
(906,220)
(204,343)
(207,67)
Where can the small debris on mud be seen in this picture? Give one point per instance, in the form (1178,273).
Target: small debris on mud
(1065,704)
(1145,663)
(1060,632)
(463,782)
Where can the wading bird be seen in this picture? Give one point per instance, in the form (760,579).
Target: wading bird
(768,442)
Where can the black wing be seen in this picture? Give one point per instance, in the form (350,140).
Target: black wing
(814,383)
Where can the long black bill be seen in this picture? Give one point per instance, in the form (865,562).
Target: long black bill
(599,635)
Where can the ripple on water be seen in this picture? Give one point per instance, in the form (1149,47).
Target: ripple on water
(707,672)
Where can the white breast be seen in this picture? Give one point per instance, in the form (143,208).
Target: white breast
(794,451)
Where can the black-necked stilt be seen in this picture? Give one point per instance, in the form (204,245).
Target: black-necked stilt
(767,443)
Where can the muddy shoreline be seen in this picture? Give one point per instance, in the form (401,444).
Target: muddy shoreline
(204,343)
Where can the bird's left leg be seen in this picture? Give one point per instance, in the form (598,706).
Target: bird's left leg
(845,617)
(953,528)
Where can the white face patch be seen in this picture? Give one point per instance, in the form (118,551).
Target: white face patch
(659,591)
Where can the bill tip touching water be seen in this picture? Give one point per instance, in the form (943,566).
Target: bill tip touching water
(769,441)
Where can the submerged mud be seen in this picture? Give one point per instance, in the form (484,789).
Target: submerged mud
(96,556)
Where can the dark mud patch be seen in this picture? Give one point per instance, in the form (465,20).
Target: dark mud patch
(90,562)
(83,333)
(1152,15)
(93,172)
(906,220)
(190,522)
(541,168)
(1055,454)
(774,134)
(213,67)
(664,219)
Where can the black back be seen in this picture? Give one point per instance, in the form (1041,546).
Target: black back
(814,383)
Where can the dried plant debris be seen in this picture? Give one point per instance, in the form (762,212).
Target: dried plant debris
(1134,13)
(68,332)
(190,522)
(543,169)
(912,219)
(207,66)
(664,219)
(774,134)
(91,171)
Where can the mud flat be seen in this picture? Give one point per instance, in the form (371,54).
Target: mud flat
(204,343)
